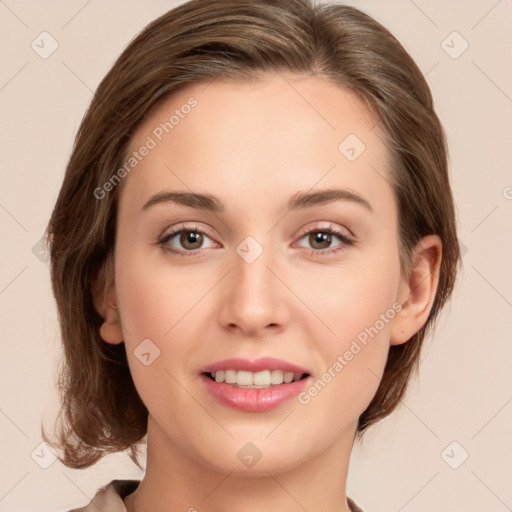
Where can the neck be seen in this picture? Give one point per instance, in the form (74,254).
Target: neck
(176,481)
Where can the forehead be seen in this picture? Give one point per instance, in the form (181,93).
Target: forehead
(283,133)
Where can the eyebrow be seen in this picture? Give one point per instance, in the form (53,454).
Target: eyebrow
(300,200)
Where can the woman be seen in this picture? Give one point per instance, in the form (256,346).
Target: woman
(254,234)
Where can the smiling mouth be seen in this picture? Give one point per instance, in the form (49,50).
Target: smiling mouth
(263,379)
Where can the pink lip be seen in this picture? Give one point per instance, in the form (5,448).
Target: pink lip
(257,365)
(252,399)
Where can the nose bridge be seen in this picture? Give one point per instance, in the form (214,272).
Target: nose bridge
(252,268)
(253,278)
(254,299)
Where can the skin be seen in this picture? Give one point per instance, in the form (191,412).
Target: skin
(254,146)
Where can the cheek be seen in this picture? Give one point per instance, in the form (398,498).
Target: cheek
(153,300)
(160,310)
(349,300)
(358,308)
(352,360)
(145,317)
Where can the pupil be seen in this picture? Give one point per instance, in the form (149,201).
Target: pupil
(191,237)
(324,238)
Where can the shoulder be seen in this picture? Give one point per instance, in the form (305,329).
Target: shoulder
(352,505)
(110,497)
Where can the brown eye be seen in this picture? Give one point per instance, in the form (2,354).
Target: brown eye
(191,240)
(321,240)
(185,241)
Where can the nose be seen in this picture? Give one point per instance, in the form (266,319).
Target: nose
(254,298)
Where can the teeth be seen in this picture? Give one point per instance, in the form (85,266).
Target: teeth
(230,377)
(263,379)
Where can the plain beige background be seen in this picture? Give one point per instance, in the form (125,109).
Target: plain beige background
(460,406)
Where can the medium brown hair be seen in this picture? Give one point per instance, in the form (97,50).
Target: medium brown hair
(236,40)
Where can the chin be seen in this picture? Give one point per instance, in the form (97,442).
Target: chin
(253,458)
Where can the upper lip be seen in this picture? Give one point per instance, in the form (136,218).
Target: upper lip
(254,365)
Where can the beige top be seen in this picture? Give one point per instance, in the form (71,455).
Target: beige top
(110,498)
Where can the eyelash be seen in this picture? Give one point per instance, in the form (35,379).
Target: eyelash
(346,241)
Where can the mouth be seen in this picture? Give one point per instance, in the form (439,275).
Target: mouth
(255,380)
(254,391)
(254,385)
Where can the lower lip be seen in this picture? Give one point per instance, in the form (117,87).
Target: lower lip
(253,399)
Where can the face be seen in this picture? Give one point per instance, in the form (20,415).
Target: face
(314,286)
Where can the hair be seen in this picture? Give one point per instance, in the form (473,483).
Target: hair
(239,41)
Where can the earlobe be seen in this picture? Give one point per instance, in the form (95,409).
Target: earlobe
(111,333)
(105,302)
(418,290)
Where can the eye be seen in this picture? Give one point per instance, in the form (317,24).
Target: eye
(190,238)
(323,238)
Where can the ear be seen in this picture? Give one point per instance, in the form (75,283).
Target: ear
(417,291)
(105,302)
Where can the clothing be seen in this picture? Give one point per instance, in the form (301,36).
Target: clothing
(110,498)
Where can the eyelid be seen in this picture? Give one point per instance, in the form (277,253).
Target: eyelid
(328,227)
(185,226)
(171,232)
(346,239)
